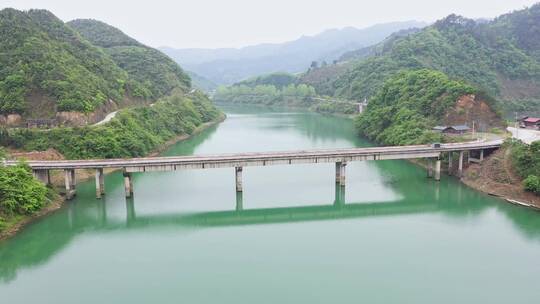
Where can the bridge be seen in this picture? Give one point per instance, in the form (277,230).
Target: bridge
(433,154)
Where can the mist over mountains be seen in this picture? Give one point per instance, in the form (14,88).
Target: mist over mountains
(229,65)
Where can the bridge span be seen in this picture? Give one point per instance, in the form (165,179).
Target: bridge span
(433,153)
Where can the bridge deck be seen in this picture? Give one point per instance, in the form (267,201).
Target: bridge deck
(263,158)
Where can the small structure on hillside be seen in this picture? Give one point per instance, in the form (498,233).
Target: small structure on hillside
(41,123)
(459,129)
(530,122)
(362,106)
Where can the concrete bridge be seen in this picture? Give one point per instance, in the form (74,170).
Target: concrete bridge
(433,153)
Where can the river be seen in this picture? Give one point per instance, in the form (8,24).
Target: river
(186,237)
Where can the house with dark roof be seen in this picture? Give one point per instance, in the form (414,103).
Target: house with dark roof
(459,129)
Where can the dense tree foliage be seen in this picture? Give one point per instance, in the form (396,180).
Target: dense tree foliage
(40,53)
(101,34)
(281,90)
(526,161)
(278,80)
(20,193)
(501,57)
(408,105)
(156,72)
(43,56)
(266,94)
(132,133)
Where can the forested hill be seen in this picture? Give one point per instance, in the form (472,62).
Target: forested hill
(501,56)
(157,73)
(48,67)
(409,104)
(43,59)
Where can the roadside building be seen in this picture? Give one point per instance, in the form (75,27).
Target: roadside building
(458,130)
(530,123)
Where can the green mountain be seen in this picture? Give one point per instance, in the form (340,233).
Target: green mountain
(48,66)
(157,73)
(410,103)
(43,59)
(499,56)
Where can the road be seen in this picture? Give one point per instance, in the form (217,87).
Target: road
(106,119)
(525,135)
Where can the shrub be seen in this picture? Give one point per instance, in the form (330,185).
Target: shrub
(20,192)
(532,184)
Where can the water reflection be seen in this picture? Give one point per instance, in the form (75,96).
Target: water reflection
(175,215)
(42,240)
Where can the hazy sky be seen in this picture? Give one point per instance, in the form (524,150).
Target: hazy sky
(236,23)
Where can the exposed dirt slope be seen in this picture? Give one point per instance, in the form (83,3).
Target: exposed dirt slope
(496,176)
(469,108)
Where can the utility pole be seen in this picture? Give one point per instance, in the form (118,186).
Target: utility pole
(473,133)
(517,126)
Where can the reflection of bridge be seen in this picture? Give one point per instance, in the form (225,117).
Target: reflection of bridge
(47,239)
(338,156)
(338,210)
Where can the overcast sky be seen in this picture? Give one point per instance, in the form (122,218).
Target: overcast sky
(237,23)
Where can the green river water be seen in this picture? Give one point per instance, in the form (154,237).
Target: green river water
(185,237)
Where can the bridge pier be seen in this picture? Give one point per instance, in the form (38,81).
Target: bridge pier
(43,176)
(238,179)
(438,169)
(429,168)
(450,163)
(460,164)
(100,183)
(69,179)
(128,184)
(340,173)
(473,159)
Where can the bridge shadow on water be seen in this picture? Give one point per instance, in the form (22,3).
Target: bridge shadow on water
(44,239)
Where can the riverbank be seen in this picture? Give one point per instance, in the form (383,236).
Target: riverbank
(495,176)
(16,224)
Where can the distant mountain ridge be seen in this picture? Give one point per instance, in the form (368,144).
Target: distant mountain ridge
(500,56)
(227,66)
